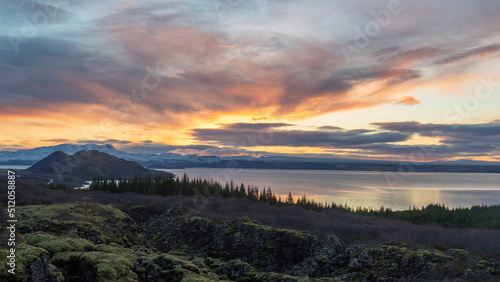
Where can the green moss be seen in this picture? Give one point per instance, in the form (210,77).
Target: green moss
(228,230)
(73,212)
(61,227)
(131,254)
(106,239)
(200,263)
(271,276)
(197,218)
(181,252)
(423,252)
(321,258)
(188,276)
(27,254)
(18,276)
(482,263)
(109,267)
(56,273)
(239,263)
(184,270)
(140,269)
(168,261)
(394,249)
(458,252)
(212,276)
(91,221)
(260,226)
(299,234)
(213,263)
(246,219)
(294,233)
(56,244)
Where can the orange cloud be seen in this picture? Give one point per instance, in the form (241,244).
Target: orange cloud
(408,100)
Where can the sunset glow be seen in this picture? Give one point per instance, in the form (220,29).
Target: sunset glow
(339,79)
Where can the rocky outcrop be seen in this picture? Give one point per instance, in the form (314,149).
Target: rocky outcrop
(270,249)
(42,270)
(92,242)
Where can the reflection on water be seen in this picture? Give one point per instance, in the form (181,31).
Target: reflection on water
(363,188)
(420,198)
(366,188)
(13,166)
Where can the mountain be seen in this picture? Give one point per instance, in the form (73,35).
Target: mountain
(171,160)
(31,156)
(87,165)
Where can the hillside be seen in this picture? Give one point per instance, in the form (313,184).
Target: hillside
(93,242)
(87,165)
(100,236)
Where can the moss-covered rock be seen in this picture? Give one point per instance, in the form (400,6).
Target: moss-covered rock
(58,244)
(31,261)
(90,221)
(263,247)
(92,242)
(96,266)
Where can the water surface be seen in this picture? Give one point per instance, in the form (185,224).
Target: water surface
(362,188)
(366,188)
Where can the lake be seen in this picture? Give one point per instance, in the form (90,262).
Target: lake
(362,188)
(366,188)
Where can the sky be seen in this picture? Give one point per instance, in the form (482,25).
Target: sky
(386,80)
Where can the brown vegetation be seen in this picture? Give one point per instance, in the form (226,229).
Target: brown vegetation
(351,228)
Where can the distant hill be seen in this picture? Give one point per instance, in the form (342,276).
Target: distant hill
(166,160)
(89,164)
(171,160)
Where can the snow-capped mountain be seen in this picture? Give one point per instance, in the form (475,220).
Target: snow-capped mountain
(31,156)
(171,160)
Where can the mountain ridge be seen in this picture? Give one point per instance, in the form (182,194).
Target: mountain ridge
(171,160)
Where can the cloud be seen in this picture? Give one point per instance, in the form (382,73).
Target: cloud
(462,55)
(465,140)
(267,135)
(115,141)
(158,148)
(161,68)
(195,74)
(255,126)
(57,140)
(328,127)
(443,130)
(408,100)
(221,152)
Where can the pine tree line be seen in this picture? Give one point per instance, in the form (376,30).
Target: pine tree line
(165,185)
